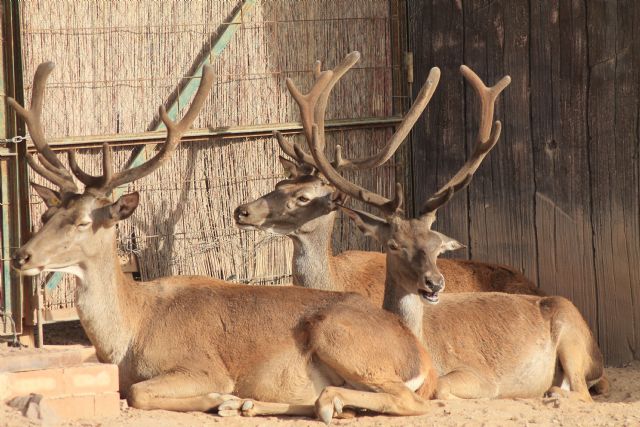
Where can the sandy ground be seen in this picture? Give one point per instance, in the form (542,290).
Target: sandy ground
(620,408)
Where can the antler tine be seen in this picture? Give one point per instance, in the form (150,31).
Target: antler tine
(91,181)
(62,182)
(409,120)
(485,141)
(336,74)
(307,103)
(313,105)
(51,168)
(175,131)
(293,150)
(389,207)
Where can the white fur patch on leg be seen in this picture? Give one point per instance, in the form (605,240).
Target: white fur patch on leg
(415,383)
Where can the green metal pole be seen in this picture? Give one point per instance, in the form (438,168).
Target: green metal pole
(139,155)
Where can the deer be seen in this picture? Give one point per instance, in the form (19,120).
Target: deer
(190,343)
(483,344)
(303,207)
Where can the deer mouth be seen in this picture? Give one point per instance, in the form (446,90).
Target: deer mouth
(31,271)
(428,296)
(245,225)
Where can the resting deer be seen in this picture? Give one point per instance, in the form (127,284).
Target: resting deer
(483,344)
(185,343)
(303,207)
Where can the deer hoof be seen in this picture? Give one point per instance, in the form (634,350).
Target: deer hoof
(328,405)
(236,407)
(325,413)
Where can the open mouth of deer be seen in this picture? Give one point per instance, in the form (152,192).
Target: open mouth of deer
(428,296)
(244,225)
(30,271)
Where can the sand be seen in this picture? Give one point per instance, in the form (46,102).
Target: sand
(620,408)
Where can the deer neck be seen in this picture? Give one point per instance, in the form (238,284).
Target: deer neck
(405,304)
(312,254)
(103,294)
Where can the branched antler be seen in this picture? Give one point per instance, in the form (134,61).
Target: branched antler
(313,107)
(52,169)
(485,141)
(110,180)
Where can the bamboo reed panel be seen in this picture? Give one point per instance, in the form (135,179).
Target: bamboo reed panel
(116,62)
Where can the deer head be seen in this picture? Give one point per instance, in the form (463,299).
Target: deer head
(411,245)
(305,196)
(80,224)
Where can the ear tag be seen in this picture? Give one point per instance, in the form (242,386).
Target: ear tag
(55,202)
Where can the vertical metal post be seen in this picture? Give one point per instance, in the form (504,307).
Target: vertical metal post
(15,219)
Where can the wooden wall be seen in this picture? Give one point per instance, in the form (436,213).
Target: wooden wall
(558,197)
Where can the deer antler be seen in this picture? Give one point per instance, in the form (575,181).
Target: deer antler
(50,168)
(312,111)
(485,141)
(389,207)
(175,130)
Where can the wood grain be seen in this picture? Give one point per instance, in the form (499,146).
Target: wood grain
(559,196)
(559,77)
(439,148)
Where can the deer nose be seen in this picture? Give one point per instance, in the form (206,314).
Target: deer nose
(434,285)
(21,257)
(241,212)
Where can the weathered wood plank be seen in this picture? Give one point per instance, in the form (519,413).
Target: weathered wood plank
(436,37)
(501,194)
(559,76)
(613,131)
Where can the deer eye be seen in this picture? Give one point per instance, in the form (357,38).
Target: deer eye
(303,199)
(83,225)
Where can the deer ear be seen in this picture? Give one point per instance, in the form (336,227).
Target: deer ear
(449,244)
(50,197)
(291,168)
(337,199)
(370,225)
(124,207)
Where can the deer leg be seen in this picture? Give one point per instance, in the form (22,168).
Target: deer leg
(574,350)
(465,384)
(252,408)
(375,370)
(179,392)
(394,399)
(572,361)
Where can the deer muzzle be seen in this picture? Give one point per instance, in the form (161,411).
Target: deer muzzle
(21,262)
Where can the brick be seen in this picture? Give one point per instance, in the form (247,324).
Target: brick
(67,408)
(57,409)
(53,357)
(77,380)
(91,378)
(47,382)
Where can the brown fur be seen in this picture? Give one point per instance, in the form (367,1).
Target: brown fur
(183,343)
(500,358)
(364,272)
(356,271)
(187,343)
(470,336)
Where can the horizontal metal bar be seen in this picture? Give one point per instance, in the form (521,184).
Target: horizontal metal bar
(228,132)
